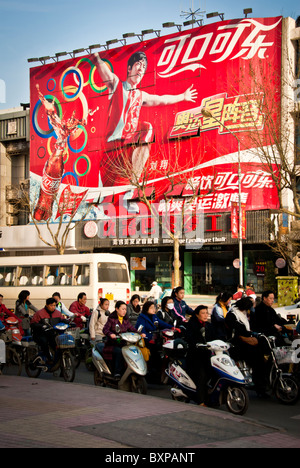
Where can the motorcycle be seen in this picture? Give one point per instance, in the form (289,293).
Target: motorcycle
(12,337)
(283,384)
(133,379)
(36,362)
(2,349)
(226,386)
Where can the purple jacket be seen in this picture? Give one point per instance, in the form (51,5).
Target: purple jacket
(110,328)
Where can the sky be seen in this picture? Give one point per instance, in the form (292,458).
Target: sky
(36,28)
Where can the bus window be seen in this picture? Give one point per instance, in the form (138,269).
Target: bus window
(1,276)
(36,276)
(23,275)
(9,275)
(65,275)
(112,273)
(82,275)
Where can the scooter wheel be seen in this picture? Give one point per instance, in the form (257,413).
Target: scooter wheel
(98,379)
(286,390)
(237,400)
(32,371)
(138,385)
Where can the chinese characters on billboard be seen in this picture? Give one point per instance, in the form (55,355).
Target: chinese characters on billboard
(100,121)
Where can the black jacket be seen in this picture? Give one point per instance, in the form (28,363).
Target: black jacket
(198,332)
(264,319)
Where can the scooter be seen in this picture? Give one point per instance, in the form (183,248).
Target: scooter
(36,362)
(13,329)
(2,348)
(226,386)
(133,379)
(11,337)
(283,384)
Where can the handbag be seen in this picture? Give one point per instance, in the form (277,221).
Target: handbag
(144,350)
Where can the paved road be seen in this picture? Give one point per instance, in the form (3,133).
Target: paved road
(269,412)
(47,413)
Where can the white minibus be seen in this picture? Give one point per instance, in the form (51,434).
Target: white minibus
(96,274)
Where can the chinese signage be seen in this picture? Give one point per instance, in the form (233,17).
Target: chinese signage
(101,122)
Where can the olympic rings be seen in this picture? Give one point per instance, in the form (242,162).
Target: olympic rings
(45,133)
(84,143)
(51,80)
(39,152)
(103,88)
(69,71)
(88,168)
(72,174)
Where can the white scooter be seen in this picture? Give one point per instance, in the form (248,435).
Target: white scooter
(133,379)
(2,352)
(226,385)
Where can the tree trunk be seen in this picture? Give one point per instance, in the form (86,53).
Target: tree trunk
(176,262)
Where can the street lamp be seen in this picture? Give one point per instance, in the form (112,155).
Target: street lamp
(207,113)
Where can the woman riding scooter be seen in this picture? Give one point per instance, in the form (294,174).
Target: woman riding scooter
(246,346)
(199,330)
(118,322)
(151,326)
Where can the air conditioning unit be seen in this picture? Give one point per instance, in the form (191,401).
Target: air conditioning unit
(12,193)
(11,209)
(24,184)
(11,220)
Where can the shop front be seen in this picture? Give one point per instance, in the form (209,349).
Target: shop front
(214,269)
(207,267)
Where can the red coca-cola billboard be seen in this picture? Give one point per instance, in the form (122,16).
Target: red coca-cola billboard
(136,110)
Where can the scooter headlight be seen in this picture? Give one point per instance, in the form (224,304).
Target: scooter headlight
(225,361)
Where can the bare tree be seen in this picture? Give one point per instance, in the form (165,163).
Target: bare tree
(173,178)
(271,142)
(67,204)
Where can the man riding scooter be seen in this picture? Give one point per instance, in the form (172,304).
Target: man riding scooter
(42,326)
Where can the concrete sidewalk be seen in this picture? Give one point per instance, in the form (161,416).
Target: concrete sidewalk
(49,414)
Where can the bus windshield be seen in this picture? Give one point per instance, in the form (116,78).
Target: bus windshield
(112,273)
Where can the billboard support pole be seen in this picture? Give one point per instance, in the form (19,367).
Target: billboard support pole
(207,113)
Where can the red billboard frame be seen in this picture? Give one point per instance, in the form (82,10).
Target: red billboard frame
(91,116)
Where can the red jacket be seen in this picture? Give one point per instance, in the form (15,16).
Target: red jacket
(44,314)
(79,310)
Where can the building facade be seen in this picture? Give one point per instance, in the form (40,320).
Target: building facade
(208,257)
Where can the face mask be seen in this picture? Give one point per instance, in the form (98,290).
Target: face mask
(170,306)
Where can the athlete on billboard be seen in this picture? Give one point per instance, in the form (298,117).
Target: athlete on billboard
(123,126)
